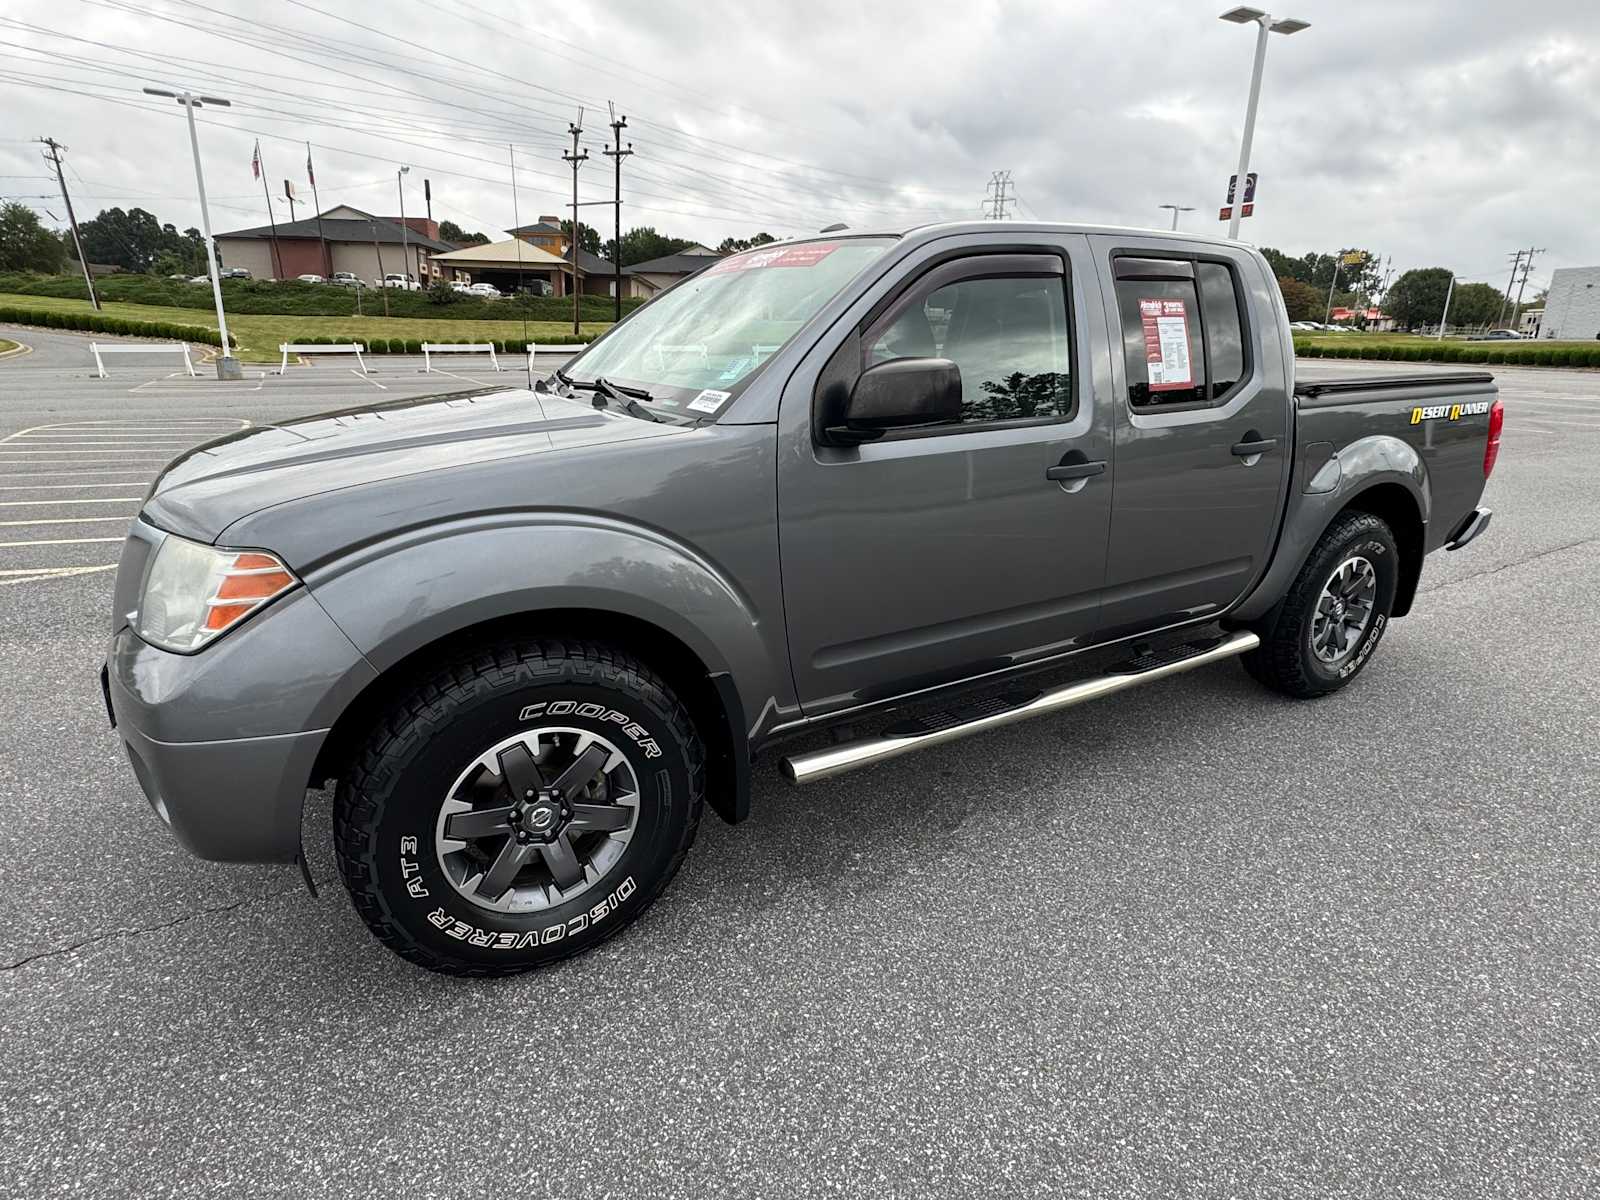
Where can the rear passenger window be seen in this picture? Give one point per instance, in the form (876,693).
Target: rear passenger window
(1182,333)
(1007,334)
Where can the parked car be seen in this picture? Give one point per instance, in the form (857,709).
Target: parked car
(234,273)
(531,641)
(486,290)
(346,279)
(407,282)
(1497,335)
(1304,325)
(199,279)
(310,279)
(465,289)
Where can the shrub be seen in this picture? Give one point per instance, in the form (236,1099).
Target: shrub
(413,346)
(1561,358)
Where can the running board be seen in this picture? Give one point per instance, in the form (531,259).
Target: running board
(919,734)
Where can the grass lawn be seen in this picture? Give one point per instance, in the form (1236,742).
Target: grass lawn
(1318,338)
(259,336)
(5,345)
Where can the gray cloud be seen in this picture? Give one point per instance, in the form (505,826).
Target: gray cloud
(1433,131)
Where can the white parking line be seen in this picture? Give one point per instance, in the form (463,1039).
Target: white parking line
(88,500)
(364,379)
(63,542)
(72,520)
(58,474)
(59,487)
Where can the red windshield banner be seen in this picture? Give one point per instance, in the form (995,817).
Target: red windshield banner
(807,254)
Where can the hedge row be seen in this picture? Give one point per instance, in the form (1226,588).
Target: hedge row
(291,298)
(1510,354)
(414,345)
(92,322)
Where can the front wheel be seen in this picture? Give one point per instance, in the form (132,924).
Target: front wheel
(521,804)
(1323,632)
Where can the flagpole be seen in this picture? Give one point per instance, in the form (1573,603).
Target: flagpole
(327,259)
(261,173)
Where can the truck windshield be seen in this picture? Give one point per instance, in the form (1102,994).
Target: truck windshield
(692,348)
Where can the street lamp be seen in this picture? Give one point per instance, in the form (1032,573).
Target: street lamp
(1266,23)
(227,365)
(1176,209)
(405,240)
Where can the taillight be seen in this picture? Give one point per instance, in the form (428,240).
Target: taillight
(1497,418)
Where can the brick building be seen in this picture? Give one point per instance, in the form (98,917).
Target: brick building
(341,239)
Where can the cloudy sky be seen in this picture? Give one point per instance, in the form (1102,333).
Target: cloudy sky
(1434,131)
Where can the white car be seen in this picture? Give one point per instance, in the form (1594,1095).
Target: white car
(407,282)
(487,290)
(464,288)
(310,279)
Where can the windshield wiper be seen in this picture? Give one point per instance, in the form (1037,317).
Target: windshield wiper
(607,394)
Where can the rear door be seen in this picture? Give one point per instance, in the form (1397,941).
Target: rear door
(1202,429)
(943,553)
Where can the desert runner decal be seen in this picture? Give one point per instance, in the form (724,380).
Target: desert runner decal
(1451,412)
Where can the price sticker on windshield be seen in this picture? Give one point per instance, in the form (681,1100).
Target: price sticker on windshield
(1166,343)
(709,401)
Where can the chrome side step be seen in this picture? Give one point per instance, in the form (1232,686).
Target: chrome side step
(836,760)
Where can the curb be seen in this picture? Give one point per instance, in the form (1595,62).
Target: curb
(17,351)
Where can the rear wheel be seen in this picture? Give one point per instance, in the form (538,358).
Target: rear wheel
(521,804)
(1323,632)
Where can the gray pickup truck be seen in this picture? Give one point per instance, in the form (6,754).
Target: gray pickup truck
(905,486)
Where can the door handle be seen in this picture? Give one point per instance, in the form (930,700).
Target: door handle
(1077,470)
(1259,446)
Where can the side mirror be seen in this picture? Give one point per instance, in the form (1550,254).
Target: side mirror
(899,394)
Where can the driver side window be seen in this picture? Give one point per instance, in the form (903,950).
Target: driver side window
(1008,334)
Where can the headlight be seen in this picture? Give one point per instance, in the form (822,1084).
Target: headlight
(194,593)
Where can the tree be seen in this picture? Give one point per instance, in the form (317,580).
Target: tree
(1417,297)
(732,245)
(25,244)
(1317,269)
(136,241)
(1476,304)
(643,244)
(1304,302)
(449,231)
(588,237)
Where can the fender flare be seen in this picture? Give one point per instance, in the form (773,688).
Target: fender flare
(395,597)
(1379,461)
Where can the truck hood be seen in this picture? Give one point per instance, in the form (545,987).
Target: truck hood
(210,487)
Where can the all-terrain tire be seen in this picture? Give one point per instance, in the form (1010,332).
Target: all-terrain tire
(388,805)
(1286,661)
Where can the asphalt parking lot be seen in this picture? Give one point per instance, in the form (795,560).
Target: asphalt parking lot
(1195,940)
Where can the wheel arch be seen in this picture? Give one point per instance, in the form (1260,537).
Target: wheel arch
(1393,504)
(709,695)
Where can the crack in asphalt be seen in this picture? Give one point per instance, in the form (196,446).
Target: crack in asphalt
(1440,587)
(141,931)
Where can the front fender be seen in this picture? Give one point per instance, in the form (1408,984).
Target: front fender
(399,595)
(1322,493)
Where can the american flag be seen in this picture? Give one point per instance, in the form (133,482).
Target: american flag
(255,161)
(310,178)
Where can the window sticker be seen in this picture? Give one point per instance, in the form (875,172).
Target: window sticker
(709,401)
(1166,343)
(807,254)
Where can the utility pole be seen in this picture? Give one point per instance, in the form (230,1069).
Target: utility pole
(54,156)
(1516,263)
(1527,268)
(1328,312)
(327,258)
(577,160)
(617,154)
(999,184)
(427,198)
(377,251)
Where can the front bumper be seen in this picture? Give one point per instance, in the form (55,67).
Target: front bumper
(224,742)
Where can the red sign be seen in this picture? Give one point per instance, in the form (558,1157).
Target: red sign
(807,254)
(1248,210)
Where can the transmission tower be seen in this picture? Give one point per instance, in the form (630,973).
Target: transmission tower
(995,206)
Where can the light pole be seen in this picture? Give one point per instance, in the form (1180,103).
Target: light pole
(1445,316)
(1176,209)
(227,365)
(1266,23)
(405,239)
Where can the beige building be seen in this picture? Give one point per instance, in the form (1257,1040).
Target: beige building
(648,278)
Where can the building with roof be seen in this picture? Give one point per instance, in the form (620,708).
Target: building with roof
(511,265)
(340,239)
(648,278)
(1572,307)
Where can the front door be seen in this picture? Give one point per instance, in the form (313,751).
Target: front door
(1202,431)
(942,553)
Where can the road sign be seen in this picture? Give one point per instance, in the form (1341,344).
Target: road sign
(1249,197)
(1227,211)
